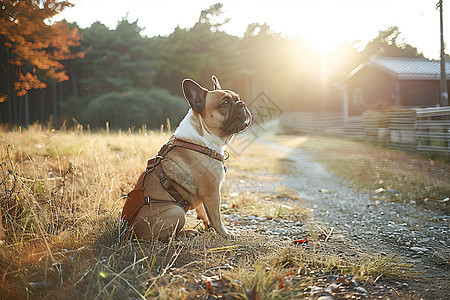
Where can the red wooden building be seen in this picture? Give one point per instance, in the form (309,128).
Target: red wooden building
(383,81)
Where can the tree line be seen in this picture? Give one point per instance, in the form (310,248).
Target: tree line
(94,75)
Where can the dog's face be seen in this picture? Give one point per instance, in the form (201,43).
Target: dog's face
(222,112)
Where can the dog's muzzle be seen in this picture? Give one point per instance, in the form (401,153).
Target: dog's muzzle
(239,119)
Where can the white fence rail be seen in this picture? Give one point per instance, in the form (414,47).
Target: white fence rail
(411,129)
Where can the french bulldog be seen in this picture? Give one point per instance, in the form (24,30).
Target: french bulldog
(214,117)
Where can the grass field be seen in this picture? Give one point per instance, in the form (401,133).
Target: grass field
(61,198)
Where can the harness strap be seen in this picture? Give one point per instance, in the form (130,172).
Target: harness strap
(204,150)
(136,197)
(167,184)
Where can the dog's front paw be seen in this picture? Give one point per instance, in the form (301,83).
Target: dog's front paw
(189,233)
(228,232)
(233,233)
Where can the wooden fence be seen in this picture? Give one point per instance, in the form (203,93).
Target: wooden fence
(411,129)
(311,122)
(433,129)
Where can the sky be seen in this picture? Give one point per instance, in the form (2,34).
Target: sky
(323,23)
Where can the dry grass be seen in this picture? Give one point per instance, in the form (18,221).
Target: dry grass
(61,201)
(60,191)
(255,159)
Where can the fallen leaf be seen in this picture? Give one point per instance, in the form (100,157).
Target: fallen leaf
(215,284)
(281,284)
(301,241)
(209,285)
(289,273)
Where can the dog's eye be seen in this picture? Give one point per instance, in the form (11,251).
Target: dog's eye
(226,103)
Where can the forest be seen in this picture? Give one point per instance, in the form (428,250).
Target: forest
(62,74)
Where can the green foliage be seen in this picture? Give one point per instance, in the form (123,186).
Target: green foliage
(136,107)
(199,52)
(123,73)
(387,43)
(117,59)
(74,105)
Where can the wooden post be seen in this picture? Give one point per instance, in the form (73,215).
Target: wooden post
(346,104)
(345,101)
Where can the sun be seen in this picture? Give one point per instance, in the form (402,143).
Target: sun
(322,45)
(320,35)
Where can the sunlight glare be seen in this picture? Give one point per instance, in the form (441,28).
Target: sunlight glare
(322,44)
(323,24)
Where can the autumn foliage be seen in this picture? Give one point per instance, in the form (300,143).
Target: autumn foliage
(36,46)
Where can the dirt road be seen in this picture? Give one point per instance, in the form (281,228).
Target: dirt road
(374,225)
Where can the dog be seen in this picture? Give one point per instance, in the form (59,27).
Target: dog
(188,171)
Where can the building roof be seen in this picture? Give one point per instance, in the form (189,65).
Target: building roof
(406,68)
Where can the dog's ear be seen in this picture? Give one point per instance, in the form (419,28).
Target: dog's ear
(195,94)
(216,83)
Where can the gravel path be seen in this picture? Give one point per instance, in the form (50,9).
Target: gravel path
(418,236)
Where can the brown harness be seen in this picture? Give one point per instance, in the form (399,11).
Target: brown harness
(136,199)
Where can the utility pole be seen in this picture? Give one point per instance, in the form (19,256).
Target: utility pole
(444,94)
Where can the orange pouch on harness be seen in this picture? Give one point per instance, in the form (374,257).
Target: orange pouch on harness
(134,202)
